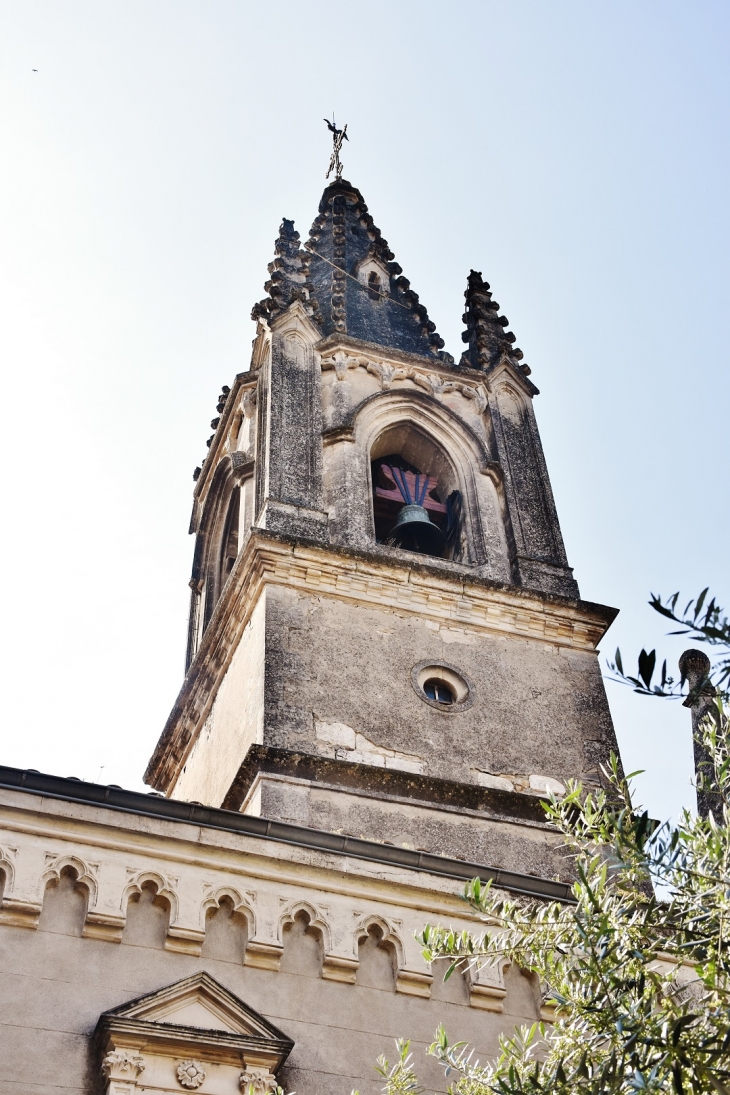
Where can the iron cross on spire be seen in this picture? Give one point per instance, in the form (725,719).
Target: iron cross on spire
(338,136)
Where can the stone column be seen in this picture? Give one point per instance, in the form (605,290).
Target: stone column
(121,1069)
(694,665)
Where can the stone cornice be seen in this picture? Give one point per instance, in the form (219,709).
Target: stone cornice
(194,820)
(448,594)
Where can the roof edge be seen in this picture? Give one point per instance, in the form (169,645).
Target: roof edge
(188,813)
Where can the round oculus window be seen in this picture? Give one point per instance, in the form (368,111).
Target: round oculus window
(442,685)
(435,689)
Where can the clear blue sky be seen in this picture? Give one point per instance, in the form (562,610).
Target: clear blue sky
(575,152)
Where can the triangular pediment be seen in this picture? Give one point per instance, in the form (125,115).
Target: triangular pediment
(199,1002)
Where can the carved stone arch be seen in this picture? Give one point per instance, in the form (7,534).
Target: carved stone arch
(85,874)
(316,920)
(464,452)
(510,400)
(241,905)
(390,935)
(261,346)
(295,349)
(218,494)
(7,867)
(164,889)
(213,528)
(433,414)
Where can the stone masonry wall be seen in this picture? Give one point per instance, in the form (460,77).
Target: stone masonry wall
(101,907)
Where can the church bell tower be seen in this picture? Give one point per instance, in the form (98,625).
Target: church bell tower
(385,638)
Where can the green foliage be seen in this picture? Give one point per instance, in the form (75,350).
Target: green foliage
(400,1078)
(637,967)
(704,622)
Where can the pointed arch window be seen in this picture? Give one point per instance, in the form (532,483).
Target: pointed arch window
(221,553)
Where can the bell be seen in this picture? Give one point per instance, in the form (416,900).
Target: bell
(415,531)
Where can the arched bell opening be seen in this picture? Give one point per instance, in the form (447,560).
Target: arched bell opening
(417,505)
(219,540)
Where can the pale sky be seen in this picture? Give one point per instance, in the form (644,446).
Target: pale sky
(575,152)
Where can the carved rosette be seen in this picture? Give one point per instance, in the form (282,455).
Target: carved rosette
(122,1064)
(257,1081)
(190,1074)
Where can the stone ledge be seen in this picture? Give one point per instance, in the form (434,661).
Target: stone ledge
(487,997)
(384,783)
(184,941)
(414,983)
(19,913)
(107,926)
(263,956)
(337,968)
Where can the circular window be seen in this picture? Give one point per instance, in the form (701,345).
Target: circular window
(435,689)
(443,686)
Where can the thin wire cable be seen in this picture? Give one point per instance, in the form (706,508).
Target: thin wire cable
(383,296)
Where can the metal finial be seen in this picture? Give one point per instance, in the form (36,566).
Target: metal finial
(338,136)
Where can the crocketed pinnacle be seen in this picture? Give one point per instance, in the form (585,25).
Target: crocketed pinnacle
(489,342)
(289,279)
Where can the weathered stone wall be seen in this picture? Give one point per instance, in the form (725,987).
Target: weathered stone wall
(101,907)
(535,708)
(327,669)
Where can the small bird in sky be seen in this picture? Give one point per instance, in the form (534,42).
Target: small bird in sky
(35,69)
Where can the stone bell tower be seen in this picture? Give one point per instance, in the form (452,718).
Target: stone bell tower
(386,639)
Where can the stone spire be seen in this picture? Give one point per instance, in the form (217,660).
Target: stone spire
(489,341)
(359,287)
(289,279)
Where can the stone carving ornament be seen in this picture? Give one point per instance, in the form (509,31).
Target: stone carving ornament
(190,1074)
(257,1081)
(122,1064)
(433,383)
(248,403)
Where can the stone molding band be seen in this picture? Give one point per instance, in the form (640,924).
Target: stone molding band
(135,802)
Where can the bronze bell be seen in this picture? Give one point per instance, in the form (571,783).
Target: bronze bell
(415,531)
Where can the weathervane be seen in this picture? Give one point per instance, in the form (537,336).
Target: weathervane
(338,136)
